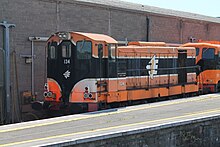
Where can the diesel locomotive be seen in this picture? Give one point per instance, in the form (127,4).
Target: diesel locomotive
(89,72)
(208,59)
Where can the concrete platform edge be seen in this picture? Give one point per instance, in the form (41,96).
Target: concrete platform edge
(132,131)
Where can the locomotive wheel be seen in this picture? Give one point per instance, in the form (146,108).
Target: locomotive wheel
(76,108)
(30,116)
(217,88)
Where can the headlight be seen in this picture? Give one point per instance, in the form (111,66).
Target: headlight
(45,94)
(64,35)
(45,86)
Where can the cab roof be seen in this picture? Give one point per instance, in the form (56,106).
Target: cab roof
(97,37)
(200,44)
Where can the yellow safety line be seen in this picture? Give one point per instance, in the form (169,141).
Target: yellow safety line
(109,128)
(105,114)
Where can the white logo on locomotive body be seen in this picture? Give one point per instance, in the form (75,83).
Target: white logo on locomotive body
(152,67)
(67,74)
(66,61)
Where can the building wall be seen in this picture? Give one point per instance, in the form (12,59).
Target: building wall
(213,31)
(197,30)
(44,17)
(126,25)
(164,29)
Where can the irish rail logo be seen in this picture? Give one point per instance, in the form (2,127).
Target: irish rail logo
(67,74)
(152,67)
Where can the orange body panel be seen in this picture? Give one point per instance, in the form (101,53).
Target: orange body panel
(121,84)
(120,96)
(191,88)
(55,88)
(175,90)
(146,51)
(112,97)
(210,77)
(78,97)
(161,92)
(140,43)
(102,97)
(140,94)
(112,85)
(212,42)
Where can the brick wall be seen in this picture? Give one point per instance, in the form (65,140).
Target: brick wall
(164,29)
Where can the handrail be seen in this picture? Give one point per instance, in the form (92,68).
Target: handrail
(176,68)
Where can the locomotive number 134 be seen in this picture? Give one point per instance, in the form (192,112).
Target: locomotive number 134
(66,61)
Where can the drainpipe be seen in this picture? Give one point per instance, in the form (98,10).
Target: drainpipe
(147,28)
(181,31)
(109,23)
(32,70)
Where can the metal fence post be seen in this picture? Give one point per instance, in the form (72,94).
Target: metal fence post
(6,48)
(2,86)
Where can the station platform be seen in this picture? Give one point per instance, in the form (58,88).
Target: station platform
(82,128)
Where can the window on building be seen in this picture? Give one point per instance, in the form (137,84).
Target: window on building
(84,49)
(208,53)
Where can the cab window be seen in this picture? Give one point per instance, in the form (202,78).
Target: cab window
(197,51)
(112,51)
(66,50)
(100,50)
(208,53)
(84,49)
(52,50)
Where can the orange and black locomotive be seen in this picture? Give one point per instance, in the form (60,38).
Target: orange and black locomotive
(88,72)
(208,59)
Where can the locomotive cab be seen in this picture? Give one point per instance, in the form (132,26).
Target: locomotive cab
(208,58)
